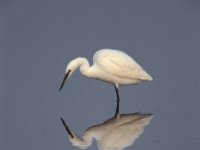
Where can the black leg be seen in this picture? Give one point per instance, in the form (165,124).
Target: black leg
(118,100)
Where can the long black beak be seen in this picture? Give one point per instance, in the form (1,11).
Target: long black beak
(67,128)
(65,78)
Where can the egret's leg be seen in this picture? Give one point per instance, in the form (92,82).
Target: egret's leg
(118,100)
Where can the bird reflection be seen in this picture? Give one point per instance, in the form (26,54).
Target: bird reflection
(114,134)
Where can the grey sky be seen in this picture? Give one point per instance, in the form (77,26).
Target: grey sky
(39,38)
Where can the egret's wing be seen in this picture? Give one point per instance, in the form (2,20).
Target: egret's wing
(125,133)
(118,64)
(120,137)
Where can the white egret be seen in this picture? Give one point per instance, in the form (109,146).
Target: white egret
(112,66)
(113,134)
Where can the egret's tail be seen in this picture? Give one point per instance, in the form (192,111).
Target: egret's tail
(145,76)
(147,118)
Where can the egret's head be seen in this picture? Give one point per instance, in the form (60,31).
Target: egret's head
(71,67)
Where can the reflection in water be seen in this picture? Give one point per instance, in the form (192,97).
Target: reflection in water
(115,133)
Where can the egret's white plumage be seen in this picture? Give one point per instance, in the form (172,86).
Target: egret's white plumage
(112,66)
(118,68)
(113,134)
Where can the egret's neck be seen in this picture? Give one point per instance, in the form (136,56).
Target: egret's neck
(85,67)
(79,62)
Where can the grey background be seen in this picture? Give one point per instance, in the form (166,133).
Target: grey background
(39,38)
